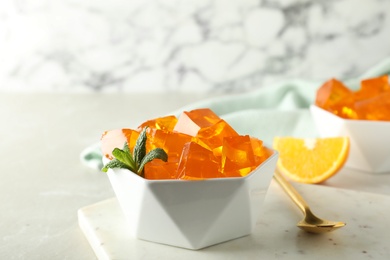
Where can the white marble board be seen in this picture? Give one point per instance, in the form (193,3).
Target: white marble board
(366,235)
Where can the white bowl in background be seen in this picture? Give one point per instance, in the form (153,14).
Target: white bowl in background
(369,140)
(192,214)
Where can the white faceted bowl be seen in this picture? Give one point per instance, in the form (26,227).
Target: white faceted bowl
(192,214)
(369,140)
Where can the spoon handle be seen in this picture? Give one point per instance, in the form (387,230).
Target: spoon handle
(291,191)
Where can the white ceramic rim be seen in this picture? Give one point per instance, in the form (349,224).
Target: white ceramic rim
(352,121)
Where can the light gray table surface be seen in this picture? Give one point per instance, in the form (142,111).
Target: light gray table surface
(43,182)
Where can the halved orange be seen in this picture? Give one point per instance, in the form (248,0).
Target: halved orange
(311,160)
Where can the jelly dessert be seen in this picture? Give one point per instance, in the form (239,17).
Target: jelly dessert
(199,145)
(370,102)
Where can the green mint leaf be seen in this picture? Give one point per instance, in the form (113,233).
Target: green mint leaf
(140,148)
(124,157)
(157,153)
(114,164)
(127,149)
(136,162)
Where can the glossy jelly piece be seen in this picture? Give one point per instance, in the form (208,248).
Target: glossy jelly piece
(330,93)
(166,123)
(212,146)
(370,102)
(335,97)
(376,108)
(131,137)
(160,170)
(260,152)
(197,163)
(191,122)
(171,142)
(373,87)
(238,158)
(212,137)
(116,139)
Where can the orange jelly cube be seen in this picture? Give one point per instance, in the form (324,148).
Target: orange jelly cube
(330,93)
(335,97)
(260,152)
(197,162)
(376,108)
(171,142)
(199,145)
(238,158)
(370,102)
(212,137)
(372,87)
(117,139)
(190,122)
(131,137)
(166,123)
(160,170)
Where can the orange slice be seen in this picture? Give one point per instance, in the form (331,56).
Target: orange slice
(311,160)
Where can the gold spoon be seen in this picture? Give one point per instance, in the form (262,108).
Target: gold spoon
(310,222)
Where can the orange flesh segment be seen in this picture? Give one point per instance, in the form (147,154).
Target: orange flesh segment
(311,160)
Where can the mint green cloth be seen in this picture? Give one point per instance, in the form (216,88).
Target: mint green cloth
(277,110)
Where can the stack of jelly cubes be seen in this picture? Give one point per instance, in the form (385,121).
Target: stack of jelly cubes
(200,145)
(370,102)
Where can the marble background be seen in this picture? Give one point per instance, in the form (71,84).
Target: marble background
(221,46)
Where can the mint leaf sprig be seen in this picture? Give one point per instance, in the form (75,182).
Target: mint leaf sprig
(135,162)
